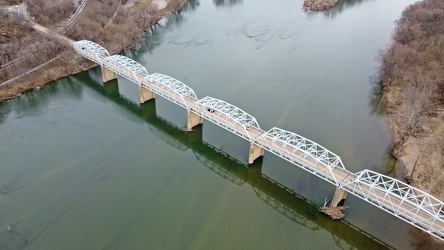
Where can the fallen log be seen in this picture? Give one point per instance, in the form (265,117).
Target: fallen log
(335,213)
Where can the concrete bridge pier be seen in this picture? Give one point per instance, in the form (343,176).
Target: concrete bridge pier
(255,152)
(340,194)
(108,75)
(193,120)
(145,94)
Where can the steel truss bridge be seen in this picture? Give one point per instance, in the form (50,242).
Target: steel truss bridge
(406,202)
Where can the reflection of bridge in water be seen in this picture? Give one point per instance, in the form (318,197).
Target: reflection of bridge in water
(280,198)
(393,196)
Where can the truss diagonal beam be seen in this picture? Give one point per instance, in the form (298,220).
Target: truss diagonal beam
(406,202)
(397,198)
(229,110)
(303,152)
(126,67)
(163,85)
(90,50)
(227,116)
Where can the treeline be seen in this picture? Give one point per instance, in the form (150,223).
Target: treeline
(412,69)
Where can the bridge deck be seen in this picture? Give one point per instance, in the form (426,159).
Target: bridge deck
(428,217)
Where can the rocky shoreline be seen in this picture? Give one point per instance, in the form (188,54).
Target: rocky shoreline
(318,5)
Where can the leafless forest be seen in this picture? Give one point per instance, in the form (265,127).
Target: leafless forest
(106,22)
(412,68)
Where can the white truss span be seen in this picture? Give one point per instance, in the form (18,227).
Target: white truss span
(126,67)
(303,152)
(90,50)
(232,111)
(402,200)
(163,85)
(227,116)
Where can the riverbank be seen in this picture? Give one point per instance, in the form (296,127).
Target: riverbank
(67,62)
(420,157)
(412,82)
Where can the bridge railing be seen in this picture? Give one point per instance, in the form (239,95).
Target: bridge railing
(226,116)
(171,89)
(305,153)
(126,67)
(90,50)
(399,199)
(88,54)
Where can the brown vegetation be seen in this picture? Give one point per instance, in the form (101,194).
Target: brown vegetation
(318,5)
(21,48)
(10,2)
(105,22)
(117,28)
(50,12)
(335,213)
(413,81)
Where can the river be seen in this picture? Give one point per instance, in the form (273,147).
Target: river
(84,166)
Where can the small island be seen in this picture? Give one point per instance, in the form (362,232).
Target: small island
(318,5)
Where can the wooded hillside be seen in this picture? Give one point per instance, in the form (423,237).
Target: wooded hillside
(412,75)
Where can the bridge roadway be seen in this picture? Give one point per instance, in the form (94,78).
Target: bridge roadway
(395,197)
(406,206)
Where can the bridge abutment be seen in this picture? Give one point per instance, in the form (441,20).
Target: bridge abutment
(255,152)
(108,75)
(193,120)
(145,94)
(340,194)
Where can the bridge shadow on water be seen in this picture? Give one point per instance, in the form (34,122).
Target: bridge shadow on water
(285,201)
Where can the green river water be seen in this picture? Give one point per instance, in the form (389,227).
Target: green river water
(85,166)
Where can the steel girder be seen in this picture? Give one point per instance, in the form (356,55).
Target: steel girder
(397,198)
(229,110)
(301,151)
(226,116)
(408,203)
(90,50)
(126,67)
(165,84)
